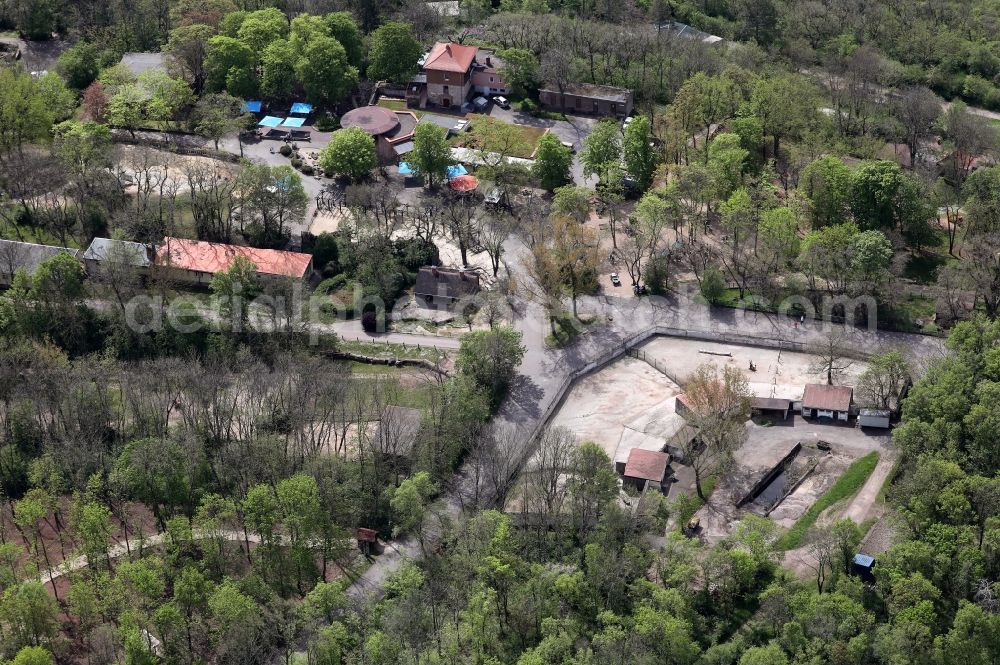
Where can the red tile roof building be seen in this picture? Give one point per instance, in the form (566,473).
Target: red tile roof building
(824,401)
(196,261)
(453,71)
(646,465)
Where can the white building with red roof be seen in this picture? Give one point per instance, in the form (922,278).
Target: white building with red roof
(195,261)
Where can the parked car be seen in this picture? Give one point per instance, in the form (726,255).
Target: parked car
(629,120)
(481,104)
(496,197)
(502,102)
(615,279)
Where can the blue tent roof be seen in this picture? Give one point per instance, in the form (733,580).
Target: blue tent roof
(456,170)
(864,560)
(251,107)
(269,121)
(293,122)
(302,108)
(405,169)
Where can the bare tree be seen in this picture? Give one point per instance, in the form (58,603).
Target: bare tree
(821,548)
(917,109)
(718,406)
(832,355)
(493,230)
(499,455)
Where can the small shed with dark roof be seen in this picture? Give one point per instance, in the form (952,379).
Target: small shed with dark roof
(772,406)
(822,401)
(646,469)
(443,287)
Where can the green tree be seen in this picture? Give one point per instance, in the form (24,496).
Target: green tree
(786,105)
(229,66)
(431,154)
(60,100)
(33,656)
(552,163)
(772,654)
(127,108)
(637,147)
(298,498)
(278,70)
(351,153)
(572,202)
(882,196)
(409,503)
(218,114)
(235,288)
(79,64)
(344,29)
(519,70)
(491,358)
(325,72)
(24,116)
(261,28)
(602,148)
(30,615)
(713,285)
(726,162)
(826,183)
(871,255)
(187,48)
(393,53)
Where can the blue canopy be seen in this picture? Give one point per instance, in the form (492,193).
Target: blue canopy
(302,108)
(251,107)
(293,122)
(864,560)
(269,121)
(405,169)
(456,170)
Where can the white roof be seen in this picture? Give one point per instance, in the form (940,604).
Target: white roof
(469,156)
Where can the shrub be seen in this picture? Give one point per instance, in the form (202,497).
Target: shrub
(332,284)
(307,169)
(285,150)
(296,163)
(369,321)
(327,123)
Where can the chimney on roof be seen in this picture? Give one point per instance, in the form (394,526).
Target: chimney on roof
(461,273)
(434,271)
(489,63)
(151,251)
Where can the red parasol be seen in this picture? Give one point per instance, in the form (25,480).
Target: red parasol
(464,183)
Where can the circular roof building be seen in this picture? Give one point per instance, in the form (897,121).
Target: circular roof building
(375,120)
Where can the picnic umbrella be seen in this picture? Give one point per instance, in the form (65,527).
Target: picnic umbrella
(252,106)
(463,183)
(269,121)
(301,108)
(293,122)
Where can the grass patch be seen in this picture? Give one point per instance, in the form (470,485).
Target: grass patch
(911,307)
(530,136)
(397,105)
(846,486)
(34,234)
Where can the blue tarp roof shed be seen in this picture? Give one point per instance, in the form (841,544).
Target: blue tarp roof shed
(252,107)
(293,122)
(864,560)
(456,170)
(269,121)
(302,108)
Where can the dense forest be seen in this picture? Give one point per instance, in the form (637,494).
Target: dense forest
(199,497)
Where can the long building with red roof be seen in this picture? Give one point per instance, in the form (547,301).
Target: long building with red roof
(195,261)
